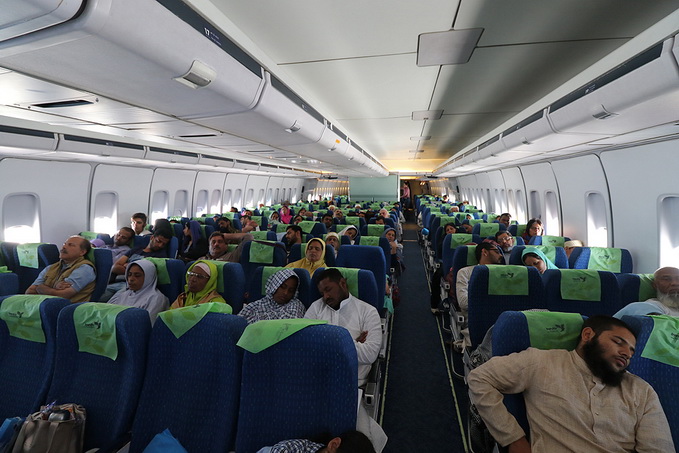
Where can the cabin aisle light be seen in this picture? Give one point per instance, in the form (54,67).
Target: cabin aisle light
(447,47)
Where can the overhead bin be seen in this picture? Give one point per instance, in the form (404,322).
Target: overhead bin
(490,147)
(98,147)
(27,139)
(137,52)
(280,119)
(26,16)
(640,93)
(172,156)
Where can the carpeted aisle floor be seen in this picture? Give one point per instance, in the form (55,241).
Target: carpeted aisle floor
(419,411)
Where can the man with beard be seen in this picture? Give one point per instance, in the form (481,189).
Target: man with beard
(506,242)
(582,400)
(666,300)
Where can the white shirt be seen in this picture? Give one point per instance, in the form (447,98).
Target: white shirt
(356,316)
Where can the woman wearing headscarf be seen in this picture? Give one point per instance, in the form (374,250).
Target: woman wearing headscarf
(532,256)
(201,286)
(274,219)
(194,245)
(314,257)
(350,231)
(141,291)
(280,302)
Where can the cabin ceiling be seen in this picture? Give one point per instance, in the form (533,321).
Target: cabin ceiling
(355,61)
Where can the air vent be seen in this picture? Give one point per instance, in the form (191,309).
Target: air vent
(263,151)
(62,104)
(29,132)
(489,142)
(173,152)
(198,136)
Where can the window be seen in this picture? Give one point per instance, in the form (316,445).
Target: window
(215,202)
(105,213)
(238,199)
(226,206)
(669,240)
(534,208)
(521,214)
(250,198)
(159,205)
(21,218)
(269,193)
(278,200)
(181,203)
(552,221)
(201,204)
(597,221)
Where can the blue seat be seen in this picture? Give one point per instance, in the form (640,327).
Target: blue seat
(585,258)
(178,229)
(608,302)
(662,377)
(257,288)
(380,242)
(448,248)
(304,385)
(373,230)
(192,385)
(103,262)
(511,334)
(176,270)
(27,366)
(9,283)
(366,257)
(635,287)
(251,263)
(47,254)
(489,229)
(143,241)
(296,254)
(267,235)
(560,257)
(367,289)
(234,284)
(554,241)
(485,308)
(108,389)
(8,255)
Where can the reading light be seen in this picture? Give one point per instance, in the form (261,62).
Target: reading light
(447,47)
(420,115)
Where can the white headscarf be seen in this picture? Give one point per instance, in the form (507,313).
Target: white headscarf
(148,297)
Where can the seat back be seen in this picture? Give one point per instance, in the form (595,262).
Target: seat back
(301,386)
(8,255)
(512,333)
(261,253)
(554,241)
(662,376)
(9,283)
(452,242)
(203,365)
(373,230)
(487,229)
(176,270)
(582,291)
(27,366)
(103,262)
(108,389)
(143,241)
(486,305)
(365,289)
(601,259)
(366,257)
(635,287)
(267,235)
(47,254)
(375,241)
(257,288)
(234,285)
(556,254)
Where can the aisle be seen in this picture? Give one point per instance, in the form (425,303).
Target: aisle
(419,411)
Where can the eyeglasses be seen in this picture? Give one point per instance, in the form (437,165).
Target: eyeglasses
(194,274)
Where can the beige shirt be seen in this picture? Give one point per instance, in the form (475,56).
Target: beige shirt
(568,408)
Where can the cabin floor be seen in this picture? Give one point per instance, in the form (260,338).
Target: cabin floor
(424,406)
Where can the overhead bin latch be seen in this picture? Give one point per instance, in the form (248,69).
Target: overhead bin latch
(294,128)
(604,114)
(200,75)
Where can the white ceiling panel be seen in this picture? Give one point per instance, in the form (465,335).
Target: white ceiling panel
(312,30)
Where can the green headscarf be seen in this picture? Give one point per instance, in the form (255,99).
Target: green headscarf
(540,254)
(211,285)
